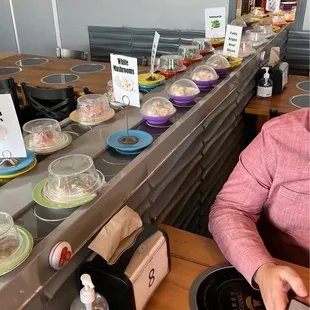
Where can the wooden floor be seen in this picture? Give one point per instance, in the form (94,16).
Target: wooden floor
(190,255)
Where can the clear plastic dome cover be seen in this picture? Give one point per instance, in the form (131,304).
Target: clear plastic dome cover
(189,52)
(203,44)
(92,106)
(246,46)
(277,20)
(238,22)
(265,28)
(183,87)
(171,63)
(72,177)
(158,106)
(44,133)
(257,11)
(218,62)
(246,18)
(255,36)
(204,73)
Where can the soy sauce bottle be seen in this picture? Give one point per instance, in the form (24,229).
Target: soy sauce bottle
(264,86)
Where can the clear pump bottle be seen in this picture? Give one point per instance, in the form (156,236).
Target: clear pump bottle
(89,299)
(265,85)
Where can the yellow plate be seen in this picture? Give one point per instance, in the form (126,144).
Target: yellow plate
(276,28)
(236,62)
(255,20)
(142,78)
(73,116)
(11,176)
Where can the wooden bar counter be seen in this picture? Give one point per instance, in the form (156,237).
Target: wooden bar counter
(280,103)
(190,255)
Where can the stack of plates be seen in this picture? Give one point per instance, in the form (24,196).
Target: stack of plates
(146,84)
(24,165)
(143,140)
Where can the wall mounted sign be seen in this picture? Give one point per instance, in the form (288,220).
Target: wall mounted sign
(215,22)
(232,41)
(125,79)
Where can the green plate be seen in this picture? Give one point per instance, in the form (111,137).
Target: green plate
(22,253)
(41,200)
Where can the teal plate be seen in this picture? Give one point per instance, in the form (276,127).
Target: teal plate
(22,253)
(38,197)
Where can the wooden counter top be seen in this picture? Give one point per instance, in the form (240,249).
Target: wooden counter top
(190,255)
(259,106)
(32,75)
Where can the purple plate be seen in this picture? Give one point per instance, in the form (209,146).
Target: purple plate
(221,71)
(205,84)
(182,99)
(157,120)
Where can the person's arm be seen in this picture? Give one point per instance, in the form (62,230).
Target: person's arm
(237,208)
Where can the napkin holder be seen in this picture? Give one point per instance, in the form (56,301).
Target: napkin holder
(131,281)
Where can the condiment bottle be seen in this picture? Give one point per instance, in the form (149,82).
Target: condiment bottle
(264,87)
(89,299)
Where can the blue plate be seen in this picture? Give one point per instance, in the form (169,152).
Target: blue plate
(145,139)
(23,163)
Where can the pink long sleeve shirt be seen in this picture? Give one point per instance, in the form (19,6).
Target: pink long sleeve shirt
(263,209)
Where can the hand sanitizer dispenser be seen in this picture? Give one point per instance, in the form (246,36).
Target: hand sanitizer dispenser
(89,299)
(264,87)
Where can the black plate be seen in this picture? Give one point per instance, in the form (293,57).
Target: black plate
(87,68)
(224,288)
(305,86)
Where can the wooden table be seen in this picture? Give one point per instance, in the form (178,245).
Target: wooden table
(190,255)
(280,103)
(32,75)
(5,55)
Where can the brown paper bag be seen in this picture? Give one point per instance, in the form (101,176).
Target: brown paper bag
(122,225)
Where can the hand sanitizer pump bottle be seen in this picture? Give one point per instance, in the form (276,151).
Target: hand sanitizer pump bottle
(89,299)
(264,86)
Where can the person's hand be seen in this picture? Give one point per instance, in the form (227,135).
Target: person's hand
(275,282)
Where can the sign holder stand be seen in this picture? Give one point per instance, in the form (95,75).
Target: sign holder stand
(7,160)
(128,140)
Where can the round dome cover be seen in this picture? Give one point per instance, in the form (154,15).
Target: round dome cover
(265,28)
(92,106)
(204,73)
(203,44)
(238,22)
(171,63)
(246,18)
(158,107)
(255,36)
(72,177)
(43,132)
(218,62)
(183,87)
(189,52)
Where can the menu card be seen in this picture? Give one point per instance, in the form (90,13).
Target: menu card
(215,22)
(11,139)
(154,50)
(232,41)
(125,79)
(273,5)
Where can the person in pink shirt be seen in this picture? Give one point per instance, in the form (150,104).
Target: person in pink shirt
(262,211)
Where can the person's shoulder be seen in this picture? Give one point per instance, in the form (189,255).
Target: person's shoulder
(294,121)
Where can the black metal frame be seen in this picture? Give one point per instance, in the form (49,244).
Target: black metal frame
(50,103)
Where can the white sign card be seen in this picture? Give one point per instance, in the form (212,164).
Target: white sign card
(154,50)
(232,41)
(11,139)
(215,22)
(273,5)
(125,79)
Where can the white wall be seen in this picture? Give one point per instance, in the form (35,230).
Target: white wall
(307,17)
(7,36)
(76,15)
